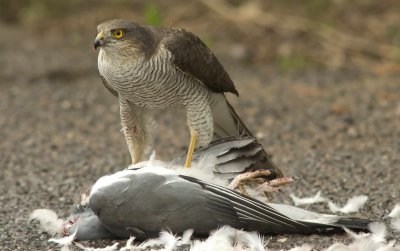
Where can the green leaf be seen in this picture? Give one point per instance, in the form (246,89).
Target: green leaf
(152,14)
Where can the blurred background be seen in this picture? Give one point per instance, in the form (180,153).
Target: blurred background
(318,83)
(287,35)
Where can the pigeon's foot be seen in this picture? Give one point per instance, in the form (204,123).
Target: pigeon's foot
(257,179)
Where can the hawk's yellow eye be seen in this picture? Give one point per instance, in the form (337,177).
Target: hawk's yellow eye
(118,34)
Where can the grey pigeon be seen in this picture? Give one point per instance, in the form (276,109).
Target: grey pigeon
(141,202)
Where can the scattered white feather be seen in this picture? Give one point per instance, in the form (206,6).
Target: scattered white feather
(252,240)
(379,231)
(113,247)
(152,157)
(395,225)
(48,219)
(65,248)
(185,240)
(356,236)
(374,241)
(304,247)
(221,239)
(197,245)
(377,235)
(395,213)
(129,242)
(168,240)
(307,200)
(338,247)
(151,243)
(153,161)
(129,245)
(353,205)
(64,241)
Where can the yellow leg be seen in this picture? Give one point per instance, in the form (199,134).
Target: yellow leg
(192,145)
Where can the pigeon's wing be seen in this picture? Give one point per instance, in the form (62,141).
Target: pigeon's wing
(275,218)
(255,215)
(191,56)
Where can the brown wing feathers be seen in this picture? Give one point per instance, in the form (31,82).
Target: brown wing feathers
(193,57)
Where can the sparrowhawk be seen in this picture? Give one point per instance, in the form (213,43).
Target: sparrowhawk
(152,68)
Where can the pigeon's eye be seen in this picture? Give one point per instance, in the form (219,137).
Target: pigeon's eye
(118,34)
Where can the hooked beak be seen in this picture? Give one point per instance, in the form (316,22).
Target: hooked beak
(99,41)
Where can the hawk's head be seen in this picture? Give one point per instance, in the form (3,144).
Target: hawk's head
(123,38)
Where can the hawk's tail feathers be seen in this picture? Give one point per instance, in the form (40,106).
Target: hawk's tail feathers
(250,157)
(264,160)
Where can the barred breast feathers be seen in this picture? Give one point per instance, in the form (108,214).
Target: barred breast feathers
(152,83)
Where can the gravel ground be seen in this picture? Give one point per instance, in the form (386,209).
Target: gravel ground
(59,131)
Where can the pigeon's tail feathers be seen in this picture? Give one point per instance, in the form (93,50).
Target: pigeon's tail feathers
(226,121)
(321,222)
(353,223)
(263,159)
(338,223)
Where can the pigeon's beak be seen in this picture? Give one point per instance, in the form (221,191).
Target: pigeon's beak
(99,41)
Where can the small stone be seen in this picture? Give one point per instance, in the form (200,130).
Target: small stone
(351,131)
(66,105)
